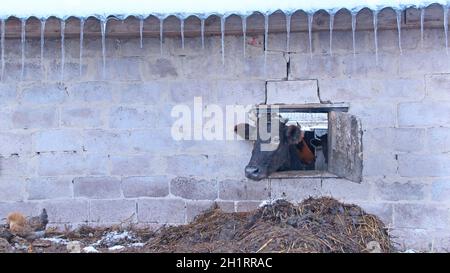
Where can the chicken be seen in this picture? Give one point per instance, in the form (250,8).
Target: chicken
(30,228)
(39,223)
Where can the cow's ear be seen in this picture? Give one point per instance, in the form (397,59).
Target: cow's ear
(293,134)
(246,131)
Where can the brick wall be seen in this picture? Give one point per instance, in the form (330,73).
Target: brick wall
(98,150)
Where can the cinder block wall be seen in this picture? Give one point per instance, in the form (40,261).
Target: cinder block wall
(98,150)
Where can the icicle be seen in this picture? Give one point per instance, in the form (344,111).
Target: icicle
(222,30)
(63,53)
(202,30)
(103,30)
(141,30)
(288,31)
(81,44)
(22,40)
(354,33)
(2,39)
(399,30)
(161,25)
(446,27)
(375,30)
(244,33)
(43,21)
(331,32)
(422,19)
(266,39)
(310,22)
(182,32)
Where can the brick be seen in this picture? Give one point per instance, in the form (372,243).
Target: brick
(12,189)
(400,191)
(240,92)
(185,91)
(345,190)
(226,206)
(384,140)
(145,186)
(112,211)
(420,216)
(374,115)
(133,141)
(52,164)
(243,206)
(143,93)
(411,165)
(39,188)
(161,68)
(39,118)
(438,139)
(122,68)
(6,120)
(97,187)
(26,208)
(243,190)
(295,189)
(292,92)
(194,208)
(191,188)
(384,211)
(418,240)
(82,117)
(91,92)
(438,86)
(36,94)
(423,114)
(188,165)
(105,141)
(415,62)
(349,89)
(8,94)
(134,118)
(16,165)
(379,164)
(161,211)
(57,140)
(14,143)
(440,190)
(67,211)
(136,165)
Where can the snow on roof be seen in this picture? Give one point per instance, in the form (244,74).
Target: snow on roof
(183,8)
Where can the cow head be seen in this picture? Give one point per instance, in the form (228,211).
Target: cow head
(282,148)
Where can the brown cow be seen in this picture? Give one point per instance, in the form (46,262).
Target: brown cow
(291,153)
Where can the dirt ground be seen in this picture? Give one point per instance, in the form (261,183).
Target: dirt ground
(315,225)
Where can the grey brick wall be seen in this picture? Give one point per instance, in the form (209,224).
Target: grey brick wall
(98,150)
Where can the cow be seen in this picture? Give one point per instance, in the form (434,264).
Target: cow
(293,152)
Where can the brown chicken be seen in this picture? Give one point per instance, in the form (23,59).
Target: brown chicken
(30,228)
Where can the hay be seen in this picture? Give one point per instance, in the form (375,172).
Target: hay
(315,225)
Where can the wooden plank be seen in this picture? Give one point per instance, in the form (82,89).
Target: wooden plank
(307,108)
(302,174)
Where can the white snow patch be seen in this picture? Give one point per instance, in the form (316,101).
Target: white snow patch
(137,245)
(269,202)
(114,237)
(113,248)
(90,249)
(184,8)
(59,241)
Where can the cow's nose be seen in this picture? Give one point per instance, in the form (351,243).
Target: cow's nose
(251,170)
